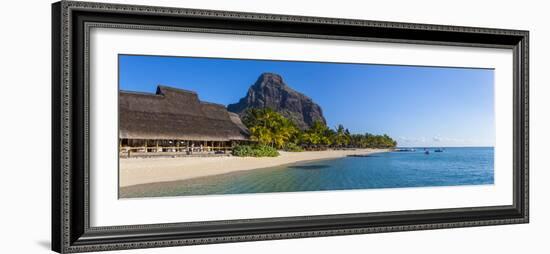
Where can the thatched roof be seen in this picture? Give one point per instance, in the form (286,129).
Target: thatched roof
(174,113)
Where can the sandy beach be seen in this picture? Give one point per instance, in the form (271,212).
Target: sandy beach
(135,171)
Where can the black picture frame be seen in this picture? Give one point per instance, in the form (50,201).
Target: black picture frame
(71,231)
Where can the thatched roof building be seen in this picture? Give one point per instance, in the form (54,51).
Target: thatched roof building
(176,114)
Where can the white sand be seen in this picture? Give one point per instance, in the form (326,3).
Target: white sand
(150,170)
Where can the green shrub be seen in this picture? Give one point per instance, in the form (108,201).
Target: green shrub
(255,151)
(291,147)
(265,151)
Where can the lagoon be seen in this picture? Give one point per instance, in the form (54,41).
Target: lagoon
(452,167)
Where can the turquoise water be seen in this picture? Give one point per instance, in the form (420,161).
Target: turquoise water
(453,166)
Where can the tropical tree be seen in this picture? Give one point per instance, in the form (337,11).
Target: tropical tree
(284,131)
(341,137)
(317,134)
(268,127)
(368,140)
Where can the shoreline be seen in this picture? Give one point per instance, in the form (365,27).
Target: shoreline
(136,171)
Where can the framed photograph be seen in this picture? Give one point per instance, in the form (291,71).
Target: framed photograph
(181,126)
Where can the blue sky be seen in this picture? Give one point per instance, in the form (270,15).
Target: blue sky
(416,105)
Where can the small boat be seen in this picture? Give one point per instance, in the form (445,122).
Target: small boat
(427,152)
(438,150)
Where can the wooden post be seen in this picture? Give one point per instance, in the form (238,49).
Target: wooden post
(146,145)
(157,143)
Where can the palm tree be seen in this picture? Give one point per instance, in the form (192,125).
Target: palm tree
(283,131)
(269,127)
(342,136)
(319,134)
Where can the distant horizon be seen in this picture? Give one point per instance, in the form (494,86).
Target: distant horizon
(397,147)
(418,106)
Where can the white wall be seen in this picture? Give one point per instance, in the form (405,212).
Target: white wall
(25,110)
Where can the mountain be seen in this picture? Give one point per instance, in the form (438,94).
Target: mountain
(270,91)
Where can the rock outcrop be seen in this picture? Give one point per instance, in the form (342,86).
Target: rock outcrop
(270,91)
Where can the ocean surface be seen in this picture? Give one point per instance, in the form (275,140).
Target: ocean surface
(452,167)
